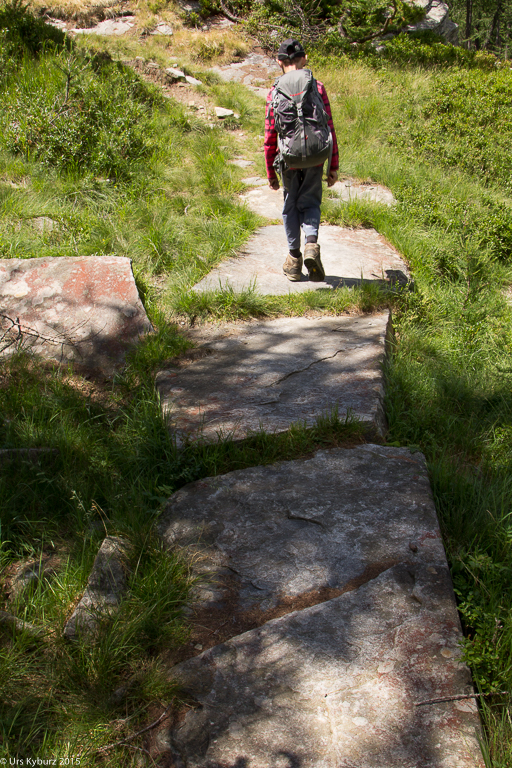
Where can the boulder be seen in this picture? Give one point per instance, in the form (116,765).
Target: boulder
(222,113)
(192,80)
(437,19)
(104,590)
(163,29)
(174,75)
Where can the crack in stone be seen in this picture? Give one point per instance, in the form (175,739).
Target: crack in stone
(290,516)
(214,625)
(301,370)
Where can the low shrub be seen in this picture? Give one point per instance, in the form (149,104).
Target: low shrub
(466,122)
(426,49)
(77,113)
(23,33)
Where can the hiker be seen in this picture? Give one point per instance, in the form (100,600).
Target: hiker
(299,138)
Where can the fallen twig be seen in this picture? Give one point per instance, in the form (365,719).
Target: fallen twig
(459,697)
(134,735)
(16,333)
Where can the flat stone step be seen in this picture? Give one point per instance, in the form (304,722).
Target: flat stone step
(338,562)
(349,190)
(255,181)
(268,375)
(269,202)
(349,257)
(84,309)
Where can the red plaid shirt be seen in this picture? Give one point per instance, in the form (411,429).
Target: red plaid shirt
(271,133)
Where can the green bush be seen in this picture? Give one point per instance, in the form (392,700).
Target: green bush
(77,113)
(427,49)
(487,226)
(467,122)
(423,49)
(72,111)
(22,33)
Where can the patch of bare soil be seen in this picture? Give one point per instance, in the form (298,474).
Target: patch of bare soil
(184,93)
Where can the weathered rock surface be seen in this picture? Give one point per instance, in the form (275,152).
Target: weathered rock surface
(265,201)
(349,256)
(255,181)
(221,112)
(274,373)
(28,575)
(84,309)
(240,162)
(336,685)
(104,590)
(298,527)
(174,75)
(255,70)
(108,27)
(18,625)
(352,190)
(163,29)
(351,538)
(437,19)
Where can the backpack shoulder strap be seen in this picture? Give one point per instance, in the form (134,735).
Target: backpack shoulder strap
(272,101)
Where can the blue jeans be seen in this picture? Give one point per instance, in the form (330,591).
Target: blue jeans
(302,198)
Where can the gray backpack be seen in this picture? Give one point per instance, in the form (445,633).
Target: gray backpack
(301,122)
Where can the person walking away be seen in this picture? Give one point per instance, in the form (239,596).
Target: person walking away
(299,138)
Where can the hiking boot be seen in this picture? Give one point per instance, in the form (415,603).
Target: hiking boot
(292,268)
(313,263)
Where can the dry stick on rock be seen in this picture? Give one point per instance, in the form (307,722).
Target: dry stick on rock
(460,697)
(22,331)
(6,339)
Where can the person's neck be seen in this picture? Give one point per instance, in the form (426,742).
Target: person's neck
(293,67)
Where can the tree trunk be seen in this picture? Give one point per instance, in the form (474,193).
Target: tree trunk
(469,23)
(495,24)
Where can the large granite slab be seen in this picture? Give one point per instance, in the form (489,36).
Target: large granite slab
(349,256)
(299,527)
(274,373)
(84,309)
(337,686)
(349,537)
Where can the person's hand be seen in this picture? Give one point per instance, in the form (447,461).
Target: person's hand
(332,178)
(273,183)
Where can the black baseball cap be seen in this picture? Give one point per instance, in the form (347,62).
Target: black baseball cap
(290,49)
